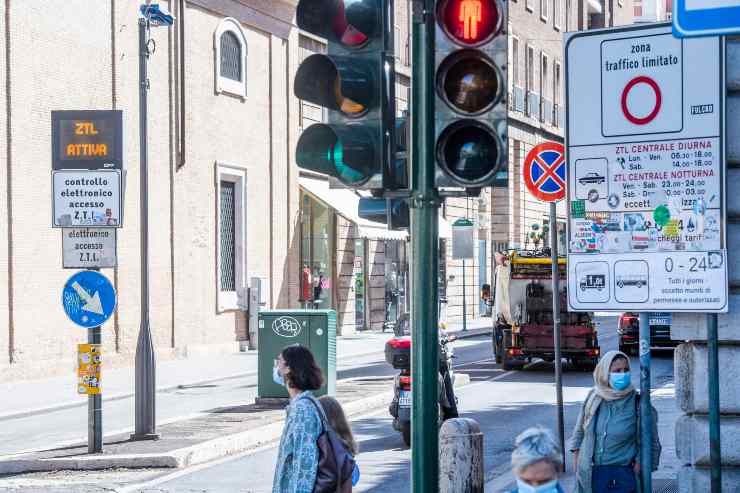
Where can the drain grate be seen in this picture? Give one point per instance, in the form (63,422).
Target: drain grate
(665,486)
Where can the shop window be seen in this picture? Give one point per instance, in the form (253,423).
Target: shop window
(317,253)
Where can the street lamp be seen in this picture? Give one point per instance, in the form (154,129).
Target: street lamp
(145,388)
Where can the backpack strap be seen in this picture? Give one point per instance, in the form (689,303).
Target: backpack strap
(319,410)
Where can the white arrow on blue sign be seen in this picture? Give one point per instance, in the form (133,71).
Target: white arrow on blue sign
(706,17)
(88,299)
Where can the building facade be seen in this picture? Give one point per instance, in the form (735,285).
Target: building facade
(223,201)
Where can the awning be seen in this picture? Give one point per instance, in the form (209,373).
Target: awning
(346,202)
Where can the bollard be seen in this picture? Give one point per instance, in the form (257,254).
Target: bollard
(460,456)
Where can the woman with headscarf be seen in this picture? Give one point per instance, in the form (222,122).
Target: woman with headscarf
(606,439)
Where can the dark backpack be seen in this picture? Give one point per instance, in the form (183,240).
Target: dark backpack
(336,463)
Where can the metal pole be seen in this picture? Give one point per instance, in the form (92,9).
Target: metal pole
(715,454)
(556,325)
(646,415)
(94,407)
(145,422)
(465,304)
(425,244)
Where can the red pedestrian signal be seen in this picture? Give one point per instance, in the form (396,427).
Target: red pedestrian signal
(470,22)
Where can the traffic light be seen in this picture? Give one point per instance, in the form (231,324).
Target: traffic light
(392,212)
(355,82)
(470,107)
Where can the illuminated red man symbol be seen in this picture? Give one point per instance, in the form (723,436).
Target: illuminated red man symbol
(470,16)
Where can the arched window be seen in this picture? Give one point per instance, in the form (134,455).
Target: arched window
(231,57)
(230,46)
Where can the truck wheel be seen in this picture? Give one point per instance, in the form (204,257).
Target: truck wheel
(406,432)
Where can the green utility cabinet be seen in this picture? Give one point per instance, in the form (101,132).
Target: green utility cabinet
(315,329)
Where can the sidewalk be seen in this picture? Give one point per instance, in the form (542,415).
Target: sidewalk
(664,479)
(209,436)
(36,396)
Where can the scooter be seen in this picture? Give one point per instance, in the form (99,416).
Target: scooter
(398,354)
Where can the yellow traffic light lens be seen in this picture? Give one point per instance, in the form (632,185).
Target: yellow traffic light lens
(345,104)
(469,82)
(470,22)
(469,152)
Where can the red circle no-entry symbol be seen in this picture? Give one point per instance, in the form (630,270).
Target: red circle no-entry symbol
(658,100)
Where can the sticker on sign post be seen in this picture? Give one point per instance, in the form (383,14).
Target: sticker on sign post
(647,201)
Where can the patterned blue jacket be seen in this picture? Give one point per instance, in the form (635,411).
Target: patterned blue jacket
(298,456)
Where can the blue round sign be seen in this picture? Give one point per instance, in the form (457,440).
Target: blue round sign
(88,299)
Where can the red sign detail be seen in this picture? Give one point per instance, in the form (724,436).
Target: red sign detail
(470,16)
(658,100)
(549,171)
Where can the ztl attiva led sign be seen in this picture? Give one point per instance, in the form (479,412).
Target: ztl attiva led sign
(86,140)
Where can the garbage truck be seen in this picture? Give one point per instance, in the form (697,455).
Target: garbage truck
(522,316)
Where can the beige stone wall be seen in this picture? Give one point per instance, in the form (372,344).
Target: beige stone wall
(4,260)
(73,61)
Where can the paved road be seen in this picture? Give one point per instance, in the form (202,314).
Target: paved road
(70,425)
(504,403)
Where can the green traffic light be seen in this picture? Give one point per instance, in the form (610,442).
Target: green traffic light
(344,153)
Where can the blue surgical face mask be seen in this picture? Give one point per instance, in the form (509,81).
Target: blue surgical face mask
(619,381)
(549,487)
(277,377)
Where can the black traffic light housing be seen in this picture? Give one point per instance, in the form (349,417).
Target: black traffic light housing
(471,94)
(355,81)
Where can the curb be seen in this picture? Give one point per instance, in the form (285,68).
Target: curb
(179,458)
(117,397)
(194,454)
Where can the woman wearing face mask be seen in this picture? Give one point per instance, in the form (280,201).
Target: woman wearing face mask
(606,439)
(298,456)
(536,461)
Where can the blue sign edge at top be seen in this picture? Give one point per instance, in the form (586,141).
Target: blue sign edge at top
(704,22)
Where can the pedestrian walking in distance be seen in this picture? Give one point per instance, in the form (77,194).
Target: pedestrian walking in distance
(606,439)
(338,421)
(536,462)
(298,455)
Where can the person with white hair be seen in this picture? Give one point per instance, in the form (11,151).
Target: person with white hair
(606,439)
(536,462)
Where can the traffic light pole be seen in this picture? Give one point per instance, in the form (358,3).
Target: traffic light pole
(424,245)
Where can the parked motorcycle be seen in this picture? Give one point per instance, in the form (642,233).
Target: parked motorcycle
(398,354)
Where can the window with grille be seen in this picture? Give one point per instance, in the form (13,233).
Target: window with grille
(231,57)
(228,236)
